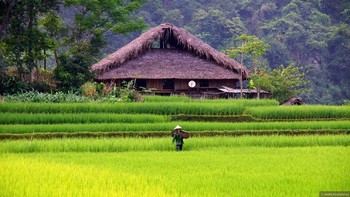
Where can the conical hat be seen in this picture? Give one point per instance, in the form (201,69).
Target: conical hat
(177,127)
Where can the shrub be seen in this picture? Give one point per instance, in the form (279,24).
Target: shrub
(128,93)
(11,83)
(72,71)
(43,81)
(39,97)
(88,89)
(42,86)
(347,102)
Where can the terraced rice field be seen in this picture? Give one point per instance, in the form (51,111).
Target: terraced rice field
(276,151)
(216,166)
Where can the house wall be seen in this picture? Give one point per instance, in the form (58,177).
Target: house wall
(155,83)
(182,84)
(226,82)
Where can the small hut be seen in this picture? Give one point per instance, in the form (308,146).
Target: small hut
(294,101)
(165,59)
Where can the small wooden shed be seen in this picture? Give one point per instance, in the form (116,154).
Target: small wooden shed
(165,59)
(294,101)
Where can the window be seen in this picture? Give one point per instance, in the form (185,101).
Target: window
(141,83)
(168,84)
(204,83)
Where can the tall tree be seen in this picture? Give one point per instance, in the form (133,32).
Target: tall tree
(6,8)
(36,29)
(92,19)
(52,25)
(253,47)
(86,36)
(22,42)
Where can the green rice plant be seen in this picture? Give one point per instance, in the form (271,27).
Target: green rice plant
(164,144)
(236,171)
(41,118)
(299,112)
(214,118)
(244,102)
(166,108)
(168,126)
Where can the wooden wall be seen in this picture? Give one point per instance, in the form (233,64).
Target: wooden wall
(155,83)
(182,84)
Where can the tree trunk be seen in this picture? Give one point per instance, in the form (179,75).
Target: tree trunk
(30,61)
(44,58)
(6,18)
(241,73)
(241,82)
(56,57)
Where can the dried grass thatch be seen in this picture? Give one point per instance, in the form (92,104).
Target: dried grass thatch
(294,101)
(171,36)
(168,64)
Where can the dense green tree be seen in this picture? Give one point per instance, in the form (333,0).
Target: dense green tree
(72,71)
(52,25)
(339,63)
(310,33)
(31,30)
(299,32)
(22,41)
(213,26)
(282,83)
(92,19)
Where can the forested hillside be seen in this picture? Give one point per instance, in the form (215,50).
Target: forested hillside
(59,40)
(312,34)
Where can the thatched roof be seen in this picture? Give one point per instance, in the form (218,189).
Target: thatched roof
(167,35)
(294,101)
(168,63)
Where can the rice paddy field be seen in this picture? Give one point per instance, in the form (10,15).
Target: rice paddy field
(237,148)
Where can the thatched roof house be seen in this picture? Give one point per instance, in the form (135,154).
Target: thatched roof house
(294,101)
(166,58)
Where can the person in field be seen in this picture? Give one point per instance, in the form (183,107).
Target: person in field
(178,136)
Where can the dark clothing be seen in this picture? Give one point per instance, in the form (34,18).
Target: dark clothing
(179,141)
(179,147)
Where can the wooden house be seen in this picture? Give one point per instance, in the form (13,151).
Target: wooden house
(168,59)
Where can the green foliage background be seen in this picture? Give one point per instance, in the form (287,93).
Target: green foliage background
(312,34)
